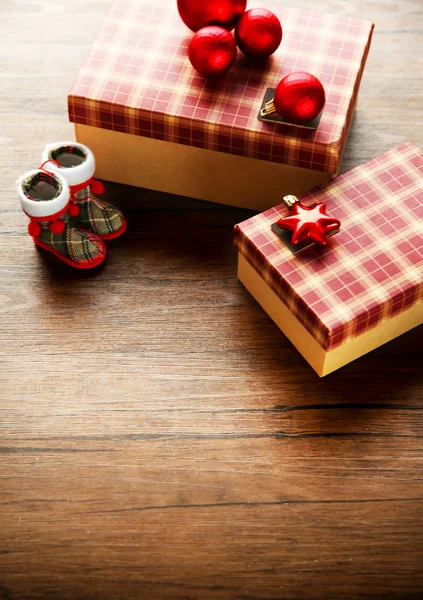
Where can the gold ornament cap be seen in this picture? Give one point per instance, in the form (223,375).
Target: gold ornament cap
(290,200)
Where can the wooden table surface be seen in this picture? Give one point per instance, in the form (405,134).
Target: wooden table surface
(159,436)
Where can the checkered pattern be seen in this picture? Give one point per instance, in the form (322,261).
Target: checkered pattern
(79,248)
(371,271)
(137,79)
(102,218)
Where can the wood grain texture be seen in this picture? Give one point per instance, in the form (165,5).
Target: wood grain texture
(160,439)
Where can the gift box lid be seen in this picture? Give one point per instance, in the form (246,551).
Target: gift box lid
(369,272)
(137,79)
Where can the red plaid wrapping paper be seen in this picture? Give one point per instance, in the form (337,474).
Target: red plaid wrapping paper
(371,271)
(137,79)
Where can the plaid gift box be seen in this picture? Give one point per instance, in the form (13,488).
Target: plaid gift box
(153,121)
(366,286)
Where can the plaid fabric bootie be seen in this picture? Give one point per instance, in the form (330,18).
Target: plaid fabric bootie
(76,163)
(45,199)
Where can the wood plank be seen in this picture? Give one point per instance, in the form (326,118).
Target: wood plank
(160,439)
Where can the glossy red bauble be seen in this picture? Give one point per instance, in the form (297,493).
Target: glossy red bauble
(201,13)
(258,32)
(212,51)
(299,98)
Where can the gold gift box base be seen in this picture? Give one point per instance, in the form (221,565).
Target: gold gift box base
(194,172)
(322,361)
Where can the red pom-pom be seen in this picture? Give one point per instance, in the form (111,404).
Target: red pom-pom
(97,187)
(299,98)
(57,227)
(212,51)
(34,229)
(258,32)
(197,14)
(73,210)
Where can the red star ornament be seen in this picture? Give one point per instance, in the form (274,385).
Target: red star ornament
(309,223)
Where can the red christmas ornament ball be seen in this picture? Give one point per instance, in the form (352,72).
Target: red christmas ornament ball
(212,51)
(258,32)
(197,14)
(299,98)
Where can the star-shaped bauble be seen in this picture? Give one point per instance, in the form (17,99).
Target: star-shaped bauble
(309,223)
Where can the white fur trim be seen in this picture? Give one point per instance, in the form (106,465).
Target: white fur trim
(43,208)
(73,175)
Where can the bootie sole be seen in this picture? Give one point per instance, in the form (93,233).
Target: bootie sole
(115,234)
(87,265)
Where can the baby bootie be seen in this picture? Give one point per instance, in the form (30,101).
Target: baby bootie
(76,163)
(45,199)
